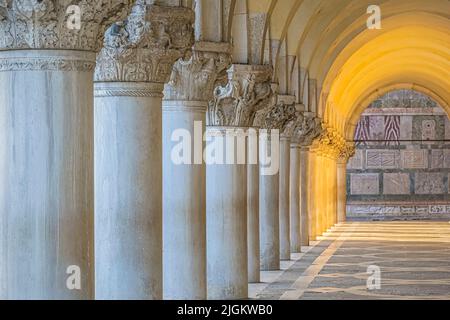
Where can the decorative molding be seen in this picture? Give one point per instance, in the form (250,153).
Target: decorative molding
(42,24)
(248,90)
(196,78)
(185,106)
(46,64)
(127,93)
(144,47)
(114,89)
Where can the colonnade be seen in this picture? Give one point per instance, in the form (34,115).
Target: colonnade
(90,181)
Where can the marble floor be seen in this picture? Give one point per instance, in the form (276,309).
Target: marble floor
(413,260)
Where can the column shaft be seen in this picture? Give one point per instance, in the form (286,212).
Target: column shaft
(184,203)
(320,194)
(226,216)
(285,243)
(341,191)
(312,182)
(328,193)
(305,187)
(269,216)
(128,188)
(294,199)
(46,174)
(254,264)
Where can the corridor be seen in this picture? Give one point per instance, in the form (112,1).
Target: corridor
(413,258)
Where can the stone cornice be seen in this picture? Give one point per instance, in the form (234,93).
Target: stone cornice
(144,47)
(196,78)
(43,24)
(248,90)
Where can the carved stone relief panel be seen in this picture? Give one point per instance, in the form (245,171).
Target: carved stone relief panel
(382,159)
(414,159)
(429,183)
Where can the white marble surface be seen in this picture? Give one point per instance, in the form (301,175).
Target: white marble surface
(46,175)
(128,189)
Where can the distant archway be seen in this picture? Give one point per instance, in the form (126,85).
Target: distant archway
(401,167)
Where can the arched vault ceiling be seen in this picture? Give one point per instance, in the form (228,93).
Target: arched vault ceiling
(351,63)
(411,54)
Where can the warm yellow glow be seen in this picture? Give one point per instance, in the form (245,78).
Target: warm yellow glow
(353,66)
(412,54)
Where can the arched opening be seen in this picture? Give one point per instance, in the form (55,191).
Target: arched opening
(401,167)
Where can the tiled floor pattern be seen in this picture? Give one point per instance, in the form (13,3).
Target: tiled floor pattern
(413,257)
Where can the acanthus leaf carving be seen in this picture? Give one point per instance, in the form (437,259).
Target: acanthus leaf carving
(278,117)
(42,24)
(144,47)
(194,79)
(307,130)
(247,91)
(331,144)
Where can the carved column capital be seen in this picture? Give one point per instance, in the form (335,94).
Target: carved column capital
(280,117)
(144,47)
(48,24)
(194,79)
(307,130)
(248,90)
(331,144)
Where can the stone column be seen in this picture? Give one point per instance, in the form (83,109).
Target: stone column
(305,131)
(329,146)
(312,216)
(46,147)
(341,187)
(274,119)
(304,199)
(133,66)
(254,264)
(229,116)
(320,192)
(184,187)
(341,191)
(285,177)
(305,134)
(294,204)
(269,223)
(226,211)
(285,241)
(326,185)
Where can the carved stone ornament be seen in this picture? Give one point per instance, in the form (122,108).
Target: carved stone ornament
(144,47)
(292,127)
(280,117)
(308,130)
(46,24)
(195,79)
(248,90)
(330,143)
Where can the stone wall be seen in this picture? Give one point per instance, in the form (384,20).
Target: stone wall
(401,169)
